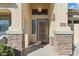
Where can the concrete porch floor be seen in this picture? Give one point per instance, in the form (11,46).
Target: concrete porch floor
(76,50)
(47,50)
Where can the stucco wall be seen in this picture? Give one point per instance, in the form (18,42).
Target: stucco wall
(15,18)
(52,20)
(61,17)
(76,34)
(26,23)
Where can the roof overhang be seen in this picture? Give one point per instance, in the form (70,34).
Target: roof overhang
(8,5)
(5,12)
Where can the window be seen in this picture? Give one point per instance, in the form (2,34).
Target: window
(76,21)
(69,21)
(5,19)
(36,12)
(70,15)
(33,26)
(4,23)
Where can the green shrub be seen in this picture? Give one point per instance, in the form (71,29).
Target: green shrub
(6,50)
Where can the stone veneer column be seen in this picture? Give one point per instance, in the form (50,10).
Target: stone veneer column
(16,41)
(64,43)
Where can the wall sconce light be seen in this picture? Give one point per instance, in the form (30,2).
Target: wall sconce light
(39,9)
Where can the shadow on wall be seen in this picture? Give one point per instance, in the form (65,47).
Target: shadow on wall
(8,5)
(73,49)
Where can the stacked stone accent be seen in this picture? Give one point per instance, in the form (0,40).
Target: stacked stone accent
(51,42)
(51,39)
(16,41)
(63,44)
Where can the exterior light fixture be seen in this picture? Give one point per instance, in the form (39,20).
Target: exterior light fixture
(39,9)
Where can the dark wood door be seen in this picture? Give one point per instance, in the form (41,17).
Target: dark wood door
(42,30)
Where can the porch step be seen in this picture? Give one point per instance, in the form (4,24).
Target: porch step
(39,42)
(33,47)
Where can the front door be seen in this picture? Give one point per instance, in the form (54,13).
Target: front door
(42,30)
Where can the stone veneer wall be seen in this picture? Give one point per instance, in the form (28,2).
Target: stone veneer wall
(51,39)
(64,44)
(16,41)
